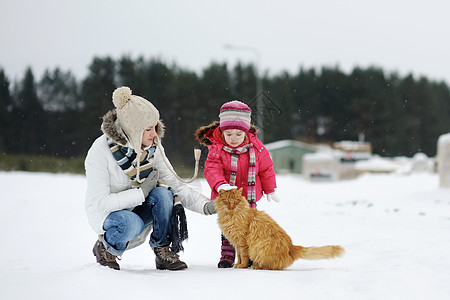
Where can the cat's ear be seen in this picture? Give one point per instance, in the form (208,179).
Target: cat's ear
(240,190)
(221,191)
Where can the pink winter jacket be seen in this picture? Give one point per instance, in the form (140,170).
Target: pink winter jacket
(218,163)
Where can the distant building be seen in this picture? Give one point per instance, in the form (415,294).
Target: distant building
(352,153)
(353,147)
(287,155)
(322,165)
(443,159)
(337,162)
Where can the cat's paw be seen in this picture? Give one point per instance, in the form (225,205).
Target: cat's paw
(241,266)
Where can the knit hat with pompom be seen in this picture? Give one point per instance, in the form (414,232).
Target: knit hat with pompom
(135,114)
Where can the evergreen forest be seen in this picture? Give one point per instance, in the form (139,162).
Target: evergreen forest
(60,115)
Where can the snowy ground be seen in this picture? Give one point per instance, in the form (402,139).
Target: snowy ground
(395,229)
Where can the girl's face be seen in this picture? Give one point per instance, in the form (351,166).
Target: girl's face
(148,136)
(234,137)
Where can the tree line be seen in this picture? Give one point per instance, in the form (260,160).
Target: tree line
(60,115)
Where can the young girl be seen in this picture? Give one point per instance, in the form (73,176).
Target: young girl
(236,158)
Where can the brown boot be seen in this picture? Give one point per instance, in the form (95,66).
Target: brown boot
(167,260)
(104,257)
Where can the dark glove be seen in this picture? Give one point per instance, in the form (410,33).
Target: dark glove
(209,208)
(150,182)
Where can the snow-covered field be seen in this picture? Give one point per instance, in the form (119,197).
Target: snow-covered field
(395,229)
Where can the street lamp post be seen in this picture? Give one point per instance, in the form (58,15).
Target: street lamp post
(259,100)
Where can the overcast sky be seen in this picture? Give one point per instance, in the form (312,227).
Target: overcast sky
(397,35)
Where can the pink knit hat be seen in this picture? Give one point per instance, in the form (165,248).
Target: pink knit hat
(235,115)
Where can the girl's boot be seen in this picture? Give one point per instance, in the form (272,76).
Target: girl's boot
(227,254)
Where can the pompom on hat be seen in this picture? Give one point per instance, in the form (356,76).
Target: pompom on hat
(235,115)
(135,114)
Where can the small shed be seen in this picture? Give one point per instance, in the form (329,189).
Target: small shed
(322,165)
(352,153)
(287,155)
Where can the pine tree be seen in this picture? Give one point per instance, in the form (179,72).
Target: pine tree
(30,118)
(96,95)
(58,91)
(5,112)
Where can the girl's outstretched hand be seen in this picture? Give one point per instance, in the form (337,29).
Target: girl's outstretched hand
(273,197)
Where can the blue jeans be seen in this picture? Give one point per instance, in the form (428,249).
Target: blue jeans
(123,226)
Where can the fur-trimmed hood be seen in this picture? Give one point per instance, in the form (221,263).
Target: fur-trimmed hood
(112,129)
(204,133)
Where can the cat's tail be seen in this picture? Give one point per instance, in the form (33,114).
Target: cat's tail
(323,252)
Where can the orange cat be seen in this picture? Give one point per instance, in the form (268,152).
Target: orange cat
(258,237)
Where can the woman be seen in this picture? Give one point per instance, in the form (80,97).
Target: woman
(132,188)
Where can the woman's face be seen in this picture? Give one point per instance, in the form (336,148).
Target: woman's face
(234,137)
(148,136)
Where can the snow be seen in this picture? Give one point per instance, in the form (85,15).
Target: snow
(323,156)
(394,227)
(444,139)
(376,164)
(287,143)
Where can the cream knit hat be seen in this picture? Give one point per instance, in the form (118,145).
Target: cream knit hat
(135,114)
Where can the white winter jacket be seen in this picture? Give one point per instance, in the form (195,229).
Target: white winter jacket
(109,188)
